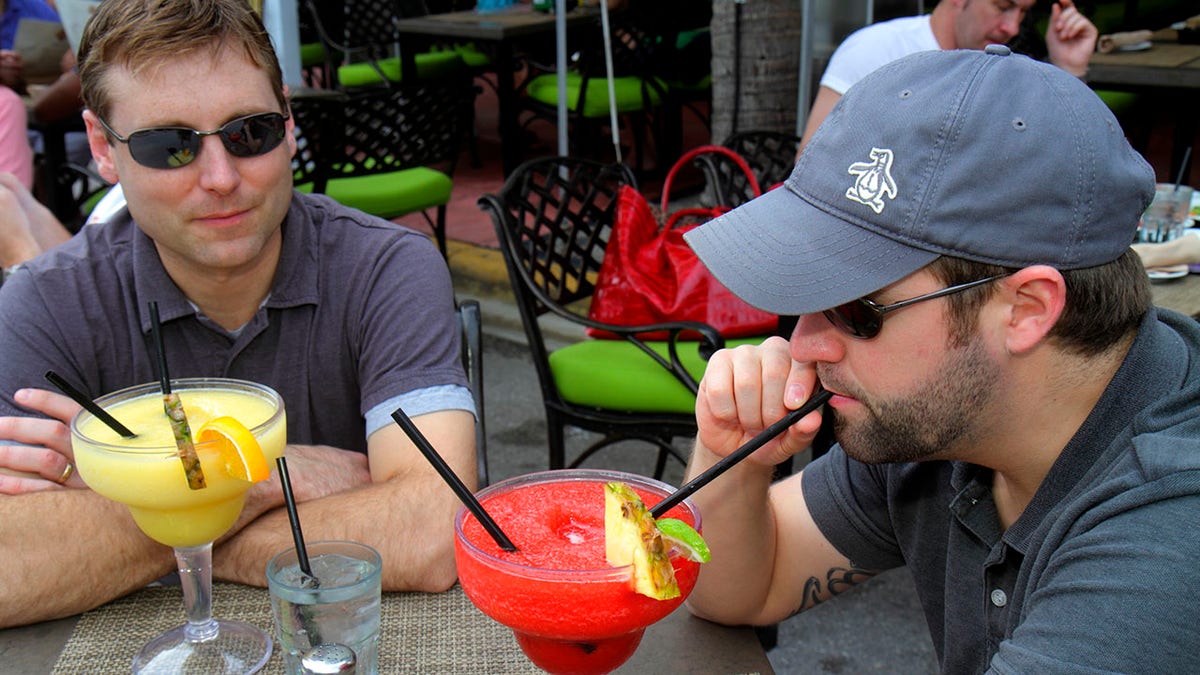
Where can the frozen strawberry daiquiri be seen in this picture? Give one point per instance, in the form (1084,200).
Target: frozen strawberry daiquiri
(570,610)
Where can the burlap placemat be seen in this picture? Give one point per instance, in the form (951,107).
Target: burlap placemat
(419,632)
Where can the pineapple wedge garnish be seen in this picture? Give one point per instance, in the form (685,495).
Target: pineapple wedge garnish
(632,538)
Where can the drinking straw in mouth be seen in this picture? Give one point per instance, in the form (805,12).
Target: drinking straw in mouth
(1187,154)
(819,397)
(452,479)
(294,518)
(88,404)
(173,406)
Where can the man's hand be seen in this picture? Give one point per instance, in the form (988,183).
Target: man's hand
(317,471)
(12,70)
(748,388)
(1070,38)
(44,452)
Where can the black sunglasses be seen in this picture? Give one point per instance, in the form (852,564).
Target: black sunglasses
(863,318)
(173,147)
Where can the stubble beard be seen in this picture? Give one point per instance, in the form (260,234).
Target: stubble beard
(930,422)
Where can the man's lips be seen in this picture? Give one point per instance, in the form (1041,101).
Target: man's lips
(223,218)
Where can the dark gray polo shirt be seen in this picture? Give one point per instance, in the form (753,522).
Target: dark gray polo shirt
(361,311)
(1102,570)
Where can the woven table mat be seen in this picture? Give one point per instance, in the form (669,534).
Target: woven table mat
(419,632)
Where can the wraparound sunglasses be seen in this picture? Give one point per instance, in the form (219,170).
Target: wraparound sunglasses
(174,147)
(863,318)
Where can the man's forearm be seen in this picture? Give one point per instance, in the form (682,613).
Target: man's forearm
(409,520)
(739,529)
(67,551)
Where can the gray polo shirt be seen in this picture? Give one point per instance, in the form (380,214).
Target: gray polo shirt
(1100,573)
(361,312)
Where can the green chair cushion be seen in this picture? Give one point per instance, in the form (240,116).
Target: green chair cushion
(429,65)
(628,91)
(1119,102)
(312,54)
(597,373)
(389,195)
(469,53)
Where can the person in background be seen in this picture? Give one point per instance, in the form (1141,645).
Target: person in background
(347,316)
(11,13)
(1182,250)
(16,155)
(1016,423)
(953,24)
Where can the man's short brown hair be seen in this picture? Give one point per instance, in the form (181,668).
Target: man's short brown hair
(139,34)
(1105,303)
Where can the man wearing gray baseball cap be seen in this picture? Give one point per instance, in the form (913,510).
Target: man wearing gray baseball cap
(1016,423)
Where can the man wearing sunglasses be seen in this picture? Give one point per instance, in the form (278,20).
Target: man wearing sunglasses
(347,316)
(1016,423)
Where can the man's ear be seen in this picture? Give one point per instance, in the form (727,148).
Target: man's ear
(1036,297)
(102,150)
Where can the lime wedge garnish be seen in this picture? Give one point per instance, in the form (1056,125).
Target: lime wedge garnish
(679,535)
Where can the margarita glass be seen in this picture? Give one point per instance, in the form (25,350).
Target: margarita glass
(571,612)
(145,474)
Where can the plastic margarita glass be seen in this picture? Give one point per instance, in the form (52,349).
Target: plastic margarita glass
(570,611)
(145,474)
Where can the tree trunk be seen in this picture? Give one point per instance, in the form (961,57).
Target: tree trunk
(762,94)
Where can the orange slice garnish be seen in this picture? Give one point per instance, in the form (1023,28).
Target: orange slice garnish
(238,451)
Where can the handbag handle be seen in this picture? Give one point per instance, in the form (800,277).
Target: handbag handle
(707,149)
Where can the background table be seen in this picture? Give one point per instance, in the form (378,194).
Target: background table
(1181,295)
(499,33)
(1167,68)
(420,632)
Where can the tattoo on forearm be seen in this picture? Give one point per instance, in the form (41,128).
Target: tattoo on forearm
(837,580)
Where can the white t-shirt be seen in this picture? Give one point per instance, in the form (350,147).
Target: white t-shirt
(872,46)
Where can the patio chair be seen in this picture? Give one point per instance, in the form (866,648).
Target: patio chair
(470,321)
(388,152)
(770,154)
(638,93)
(553,217)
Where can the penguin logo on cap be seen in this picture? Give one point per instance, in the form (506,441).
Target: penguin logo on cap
(874,180)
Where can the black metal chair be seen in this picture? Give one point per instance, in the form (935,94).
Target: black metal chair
(553,217)
(770,154)
(470,321)
(640,95)
(388,152)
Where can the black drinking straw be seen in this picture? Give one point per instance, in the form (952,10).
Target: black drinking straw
(160,352)
(297,535)
(451,478)
(1187,154)
(88,404)
(765,436)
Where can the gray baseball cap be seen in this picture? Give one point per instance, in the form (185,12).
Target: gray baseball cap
(984,155)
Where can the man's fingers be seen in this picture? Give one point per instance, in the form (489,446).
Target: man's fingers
(49,403)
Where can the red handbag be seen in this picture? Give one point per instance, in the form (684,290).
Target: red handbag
(650,275)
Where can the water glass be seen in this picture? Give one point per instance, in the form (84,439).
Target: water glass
(340,608)
(1168,215)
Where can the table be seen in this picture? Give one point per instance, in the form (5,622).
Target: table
(1166,66)
(501,32)
(1181,295)
(435,633)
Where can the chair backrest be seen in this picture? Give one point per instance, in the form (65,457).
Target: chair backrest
(553,218)
(417,124)
(317,119)
(470,321)
(770,154)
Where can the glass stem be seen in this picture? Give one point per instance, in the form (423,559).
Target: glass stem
(195,575)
